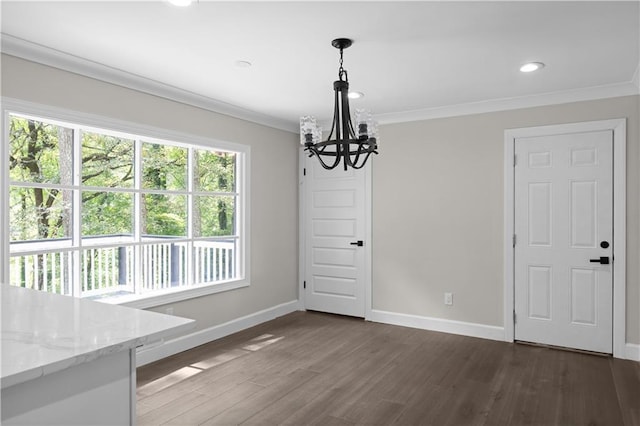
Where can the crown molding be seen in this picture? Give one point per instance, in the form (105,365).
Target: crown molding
(636,77)
(38,53)
(34,52)
(505,104)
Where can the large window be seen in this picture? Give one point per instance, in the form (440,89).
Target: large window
(106,214)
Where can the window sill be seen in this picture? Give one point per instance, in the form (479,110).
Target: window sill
(144,301)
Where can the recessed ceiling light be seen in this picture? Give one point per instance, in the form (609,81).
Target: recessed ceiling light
(531,66)
(355,95)
(243,64)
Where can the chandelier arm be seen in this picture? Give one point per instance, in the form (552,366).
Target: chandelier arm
(330,154)
(347,132)
(324,144)
(335,124)
(357,154)
(346,112)
(335,163)
(325,165)
(369,150)
(340,134)
(346,124)
(363,161)
(362,150)
(320,154)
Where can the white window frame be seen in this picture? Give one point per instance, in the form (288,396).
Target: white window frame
(156,298)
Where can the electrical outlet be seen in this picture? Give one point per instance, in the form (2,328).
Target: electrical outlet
(169,310)
(448,298)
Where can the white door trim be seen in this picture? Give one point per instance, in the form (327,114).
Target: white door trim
(618,126)
(302,236)
(368,247)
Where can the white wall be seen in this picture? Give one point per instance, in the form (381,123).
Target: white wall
(274,156)
(437,210)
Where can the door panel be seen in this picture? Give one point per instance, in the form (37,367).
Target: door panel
(334,218)
(539,292)
(540,214)
(563,211)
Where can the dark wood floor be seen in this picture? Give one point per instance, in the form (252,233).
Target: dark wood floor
(312,368)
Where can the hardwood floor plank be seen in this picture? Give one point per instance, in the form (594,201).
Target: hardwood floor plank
(223,384)
(277,412)
(333,421)
(626,376)
(420,409)
(213,406)
(371,411)
(587,391)
(195,382)
(309,368)
(210,388)
(248,407)
(220,359)
(168,380)
(296,401)
(180,404)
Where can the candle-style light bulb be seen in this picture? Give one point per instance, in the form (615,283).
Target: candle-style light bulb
(308,130)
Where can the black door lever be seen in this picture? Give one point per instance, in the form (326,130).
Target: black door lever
(360,243)
(604,260)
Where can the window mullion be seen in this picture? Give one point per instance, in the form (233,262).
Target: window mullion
(5,250)
(76,209)
(239,217)
(190,272)
(137,217)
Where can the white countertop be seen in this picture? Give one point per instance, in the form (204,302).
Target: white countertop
(43,333)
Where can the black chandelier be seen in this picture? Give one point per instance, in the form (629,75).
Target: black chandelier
(351,148)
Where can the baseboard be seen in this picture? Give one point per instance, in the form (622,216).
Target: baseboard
(632,352)
(161,350)
(154,352)
(438,324)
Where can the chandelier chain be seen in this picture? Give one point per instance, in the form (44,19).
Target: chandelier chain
(341,70)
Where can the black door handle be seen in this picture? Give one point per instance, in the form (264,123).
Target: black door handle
(604,260)
(360,243)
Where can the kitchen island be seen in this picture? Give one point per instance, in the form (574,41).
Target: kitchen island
(72,361)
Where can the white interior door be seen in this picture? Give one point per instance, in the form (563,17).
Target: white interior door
(564,229)
(334,223)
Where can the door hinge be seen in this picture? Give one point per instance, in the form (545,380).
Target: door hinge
(304,284)
(304,171)
(514,240)
(514,316)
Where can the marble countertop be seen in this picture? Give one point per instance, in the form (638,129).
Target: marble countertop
(43,333)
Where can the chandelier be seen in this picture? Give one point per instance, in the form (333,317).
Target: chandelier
(349,147)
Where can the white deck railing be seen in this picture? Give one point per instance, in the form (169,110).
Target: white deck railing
(49,272)
(107,270)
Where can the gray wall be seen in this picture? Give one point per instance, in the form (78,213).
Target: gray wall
(438,210)
(437,198)
(274,176)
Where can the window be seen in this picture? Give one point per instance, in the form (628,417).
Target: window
(121,217)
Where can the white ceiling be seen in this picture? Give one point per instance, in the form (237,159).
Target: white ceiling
(408,58)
